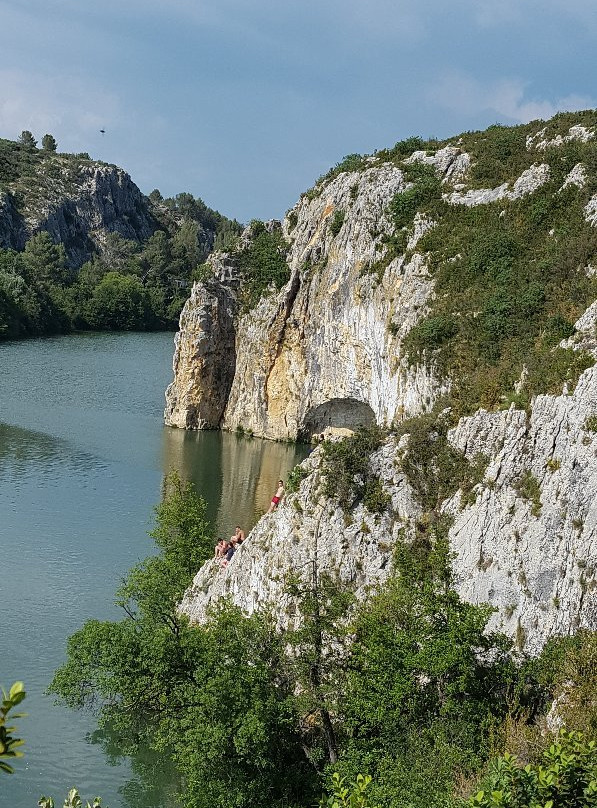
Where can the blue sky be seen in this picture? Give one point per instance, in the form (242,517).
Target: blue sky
(246,102)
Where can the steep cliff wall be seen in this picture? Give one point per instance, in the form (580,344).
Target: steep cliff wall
(440,277)
(530,555)
(327,347)
(78,201)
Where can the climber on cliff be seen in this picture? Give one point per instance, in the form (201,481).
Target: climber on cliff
(277,496)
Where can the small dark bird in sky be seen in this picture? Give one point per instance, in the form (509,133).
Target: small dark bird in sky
(103,131)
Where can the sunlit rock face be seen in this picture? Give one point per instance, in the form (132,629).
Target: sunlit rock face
(535,562)
(325,354)
(326,349)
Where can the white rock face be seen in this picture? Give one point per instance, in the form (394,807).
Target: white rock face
(303,529)
(528,182)
(578,177)
(451,163)
(326,349)
(539,141)
(326,352)
(591,211)
(535,562)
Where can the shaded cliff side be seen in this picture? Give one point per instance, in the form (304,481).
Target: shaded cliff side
(78,201)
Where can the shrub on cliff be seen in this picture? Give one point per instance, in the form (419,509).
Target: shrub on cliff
(262,263)
(565,778)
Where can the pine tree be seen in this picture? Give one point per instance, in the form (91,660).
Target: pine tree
(48,143)
(27,140)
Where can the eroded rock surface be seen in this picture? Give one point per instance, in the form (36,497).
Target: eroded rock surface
(333,333)
(533,560)
(78,204)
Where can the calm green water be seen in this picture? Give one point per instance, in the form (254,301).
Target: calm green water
(83,454)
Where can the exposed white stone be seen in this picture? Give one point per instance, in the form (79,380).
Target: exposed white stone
(528,182)
(540,142)
(578,177)
(535,565)
(450,162)
(591,211)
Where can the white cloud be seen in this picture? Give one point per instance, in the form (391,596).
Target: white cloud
(65,106)
(507,98)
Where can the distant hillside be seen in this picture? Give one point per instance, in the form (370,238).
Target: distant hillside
(87,219)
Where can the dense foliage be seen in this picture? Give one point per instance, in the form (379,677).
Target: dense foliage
(566,776)
(348,475)
(127,285)
(510,277)
(262,261)
(409,688)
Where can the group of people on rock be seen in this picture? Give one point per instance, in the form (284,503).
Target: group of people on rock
(225,549)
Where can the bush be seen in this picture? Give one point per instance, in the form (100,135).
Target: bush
(429,335)
(566,778)
(263,264)
(426,189)
(348,477)
(295,478)
(528,488)
(433,467)
(337,222)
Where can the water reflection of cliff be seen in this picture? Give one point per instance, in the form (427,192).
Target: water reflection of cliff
(237,476)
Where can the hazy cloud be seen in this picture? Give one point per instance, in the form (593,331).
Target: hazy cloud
(508,98)
(62,105)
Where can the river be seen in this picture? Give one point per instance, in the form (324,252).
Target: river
(83,455)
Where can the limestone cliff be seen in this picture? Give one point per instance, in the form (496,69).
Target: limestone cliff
(365,332)
(75,199)
(533,559)
(326,349)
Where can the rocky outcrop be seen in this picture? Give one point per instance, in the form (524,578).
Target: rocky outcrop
(531,179)
(540,141)
(326,349)
(78,202)
(204,358)
(528,546)
(529,551)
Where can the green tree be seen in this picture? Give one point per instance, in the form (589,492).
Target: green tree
(27,140)
(48,143)
(9,744)
(426,682)
(156,256)
(185,247)
(120,302)
(44,260)
(215,699)
(316,660)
